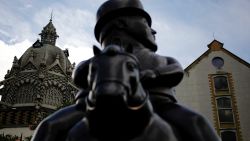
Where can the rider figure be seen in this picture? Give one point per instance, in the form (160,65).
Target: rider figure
(125,23)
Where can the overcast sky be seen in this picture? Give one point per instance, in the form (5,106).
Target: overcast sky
(184,27)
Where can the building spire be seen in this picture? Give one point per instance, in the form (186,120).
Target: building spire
(51,15)
(48,34)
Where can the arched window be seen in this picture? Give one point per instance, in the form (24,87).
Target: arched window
(225,109)
(228,135)
(26,94)
(224,102)
(52,96)
(220,83)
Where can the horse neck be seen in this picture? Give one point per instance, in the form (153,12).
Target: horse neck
(122,124)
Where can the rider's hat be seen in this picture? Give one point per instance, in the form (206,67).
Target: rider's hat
(115,8)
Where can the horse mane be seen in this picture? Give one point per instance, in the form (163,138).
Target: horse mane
(112,50)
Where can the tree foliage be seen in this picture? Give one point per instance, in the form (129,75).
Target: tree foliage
(13,138)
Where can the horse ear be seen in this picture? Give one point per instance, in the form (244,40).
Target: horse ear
(80,74)
(96,50)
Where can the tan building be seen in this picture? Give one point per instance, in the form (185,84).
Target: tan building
(217,85)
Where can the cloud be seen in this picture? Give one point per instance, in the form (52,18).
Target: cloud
(74,26)
(13,27)
(78,54)
(7,53)
(176,40)
(184,30)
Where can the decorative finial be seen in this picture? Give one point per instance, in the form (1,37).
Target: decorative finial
(15,62)
(214,35)
(15,59)
(51,16)
(48,35)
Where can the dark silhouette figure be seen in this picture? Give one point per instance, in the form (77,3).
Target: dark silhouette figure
(118,108)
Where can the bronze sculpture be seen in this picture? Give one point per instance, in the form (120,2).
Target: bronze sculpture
(133,32)
(125,24)
(116,92)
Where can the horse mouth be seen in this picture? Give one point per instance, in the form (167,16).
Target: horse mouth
(108,95)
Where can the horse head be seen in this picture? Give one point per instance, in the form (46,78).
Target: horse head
(116,99)
(114,74)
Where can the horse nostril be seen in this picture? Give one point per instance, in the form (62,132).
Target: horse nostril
(110,94)
(109,89)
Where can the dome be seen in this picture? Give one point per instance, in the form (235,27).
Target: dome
(46,55)
(38,83)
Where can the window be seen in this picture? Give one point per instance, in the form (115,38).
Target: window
(224,102)
(225,115)
(218,62)
(26,94)
(228,135)
(220,83)
(225,109)
(52,96)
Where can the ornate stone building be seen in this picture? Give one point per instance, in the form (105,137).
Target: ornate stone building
(217,85)
(38,83)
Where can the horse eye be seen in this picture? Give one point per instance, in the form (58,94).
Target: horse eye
(131,66)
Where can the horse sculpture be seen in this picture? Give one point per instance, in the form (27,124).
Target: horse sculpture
(113,105)
(118,108)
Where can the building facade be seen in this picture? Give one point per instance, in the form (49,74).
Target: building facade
(217,85)
(38,83)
